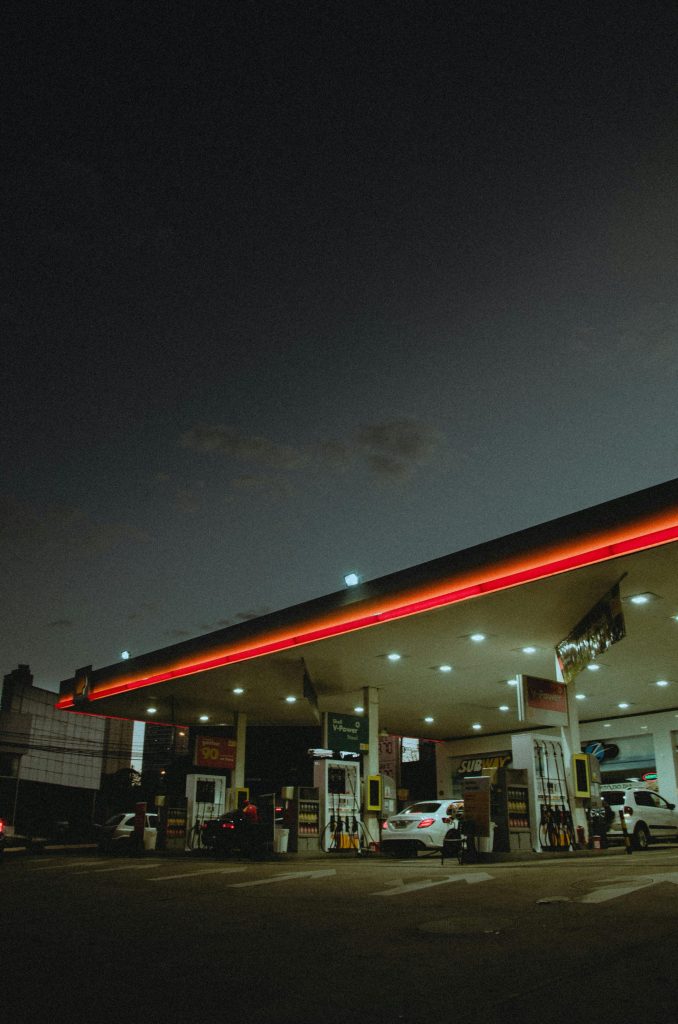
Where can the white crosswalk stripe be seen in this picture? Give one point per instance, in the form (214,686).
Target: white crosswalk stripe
(194,874)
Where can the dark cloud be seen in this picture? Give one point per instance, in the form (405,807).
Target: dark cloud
(232,443)
(397,448)
(393,449)
(29,531)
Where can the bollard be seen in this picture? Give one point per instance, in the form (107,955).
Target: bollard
(625,832)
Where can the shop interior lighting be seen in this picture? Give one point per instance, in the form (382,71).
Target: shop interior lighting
(445,668)
(529,650)
(352,579)
(503,707)
(359,709)
(124,655)
(429,719)
(476,725)
(151,711)
(291,700)
(393,656)
(204,718)
(640,599)
(606,725)
(477,637)
(580,696)
(623,704)
(511,682)
(662,682)
(238,690)
(593,667)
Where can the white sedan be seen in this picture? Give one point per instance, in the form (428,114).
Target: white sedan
(421,826)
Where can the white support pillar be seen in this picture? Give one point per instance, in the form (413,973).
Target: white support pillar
(571,740)
(240,748)
(371,761)
(665,763)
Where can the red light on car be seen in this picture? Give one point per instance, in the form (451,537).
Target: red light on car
(426,822)
(628,810)
(227,824)
(2,826)
(384,825)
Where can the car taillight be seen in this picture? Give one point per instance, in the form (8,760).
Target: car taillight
(384,825)
(227,824)
(2,826)
(628,810)
(426,822)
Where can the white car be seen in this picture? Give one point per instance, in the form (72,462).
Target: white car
(116,833)
(421,826)
(647,815)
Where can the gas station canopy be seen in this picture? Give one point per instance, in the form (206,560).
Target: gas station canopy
(439,641)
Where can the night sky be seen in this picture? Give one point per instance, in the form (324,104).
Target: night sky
(293,289)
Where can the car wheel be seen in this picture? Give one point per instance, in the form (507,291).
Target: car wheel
(641,838)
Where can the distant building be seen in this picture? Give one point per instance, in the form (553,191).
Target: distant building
(162,745)
(51,764)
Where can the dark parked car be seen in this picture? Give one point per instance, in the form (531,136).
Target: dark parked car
(229,833)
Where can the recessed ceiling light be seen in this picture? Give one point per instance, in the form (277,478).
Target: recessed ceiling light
(204,718)
(445,668)
(675,618)
(352,579)
(151,711)
(606,725)
(393,656)
(580,696)
(624,704)
(662,682)
(529,650)
(125,655)
(181,732)
(643,727)
(476,725)
(238,689)
(593,667)
(359,709)
(477,637)
(640,599)
(428,719)
(511,682)
(291,700)
(503,707)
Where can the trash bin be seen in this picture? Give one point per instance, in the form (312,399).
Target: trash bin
(486,843)
(280,839)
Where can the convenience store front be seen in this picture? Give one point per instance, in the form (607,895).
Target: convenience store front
(429,651)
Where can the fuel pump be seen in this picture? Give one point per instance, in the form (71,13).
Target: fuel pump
(338,784)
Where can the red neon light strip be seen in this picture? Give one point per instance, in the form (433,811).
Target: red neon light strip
(613,550)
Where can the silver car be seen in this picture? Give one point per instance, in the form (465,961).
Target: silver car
(421,826)
(116,833)
(647,815)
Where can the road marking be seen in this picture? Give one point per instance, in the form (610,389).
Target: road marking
(400,888)
(61,866)
(285,878)
(194,874)
(612,890)
(121,867)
